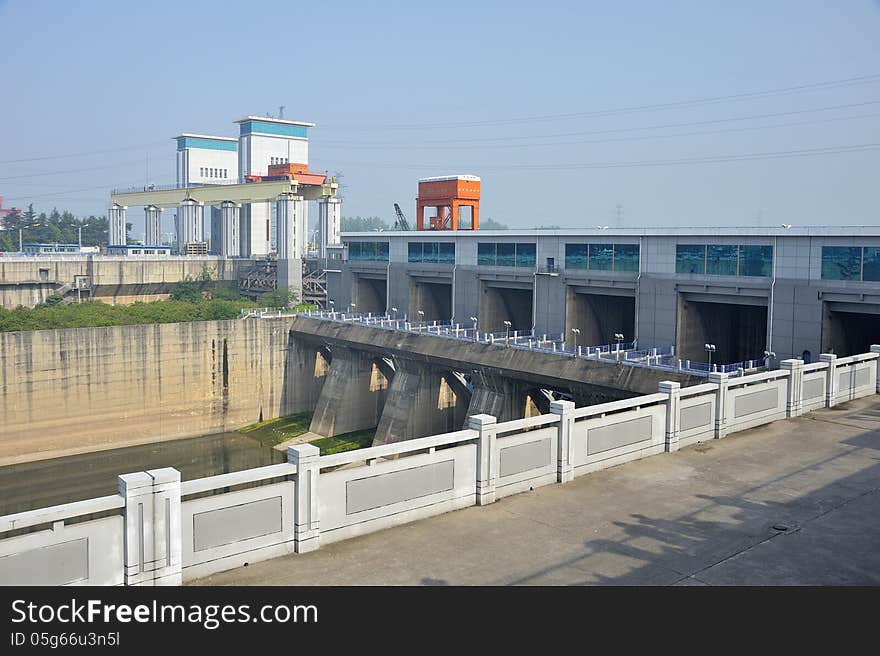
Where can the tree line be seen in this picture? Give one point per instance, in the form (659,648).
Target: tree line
(56,227)
(377,223)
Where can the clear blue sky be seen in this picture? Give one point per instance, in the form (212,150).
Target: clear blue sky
(516,92)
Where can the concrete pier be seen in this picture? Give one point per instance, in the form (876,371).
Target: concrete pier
(353,394)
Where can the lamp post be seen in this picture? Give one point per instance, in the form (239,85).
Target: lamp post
(507,325)
(30,225)
(84,225)
(394,310)
(576,332)
(618,338)
(476,332)
(421,314)
(767,356)
(332,305)
(710,349)
(352,306)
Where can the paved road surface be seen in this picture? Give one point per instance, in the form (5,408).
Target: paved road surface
(710,514)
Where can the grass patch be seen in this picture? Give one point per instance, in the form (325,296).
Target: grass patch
(275,431)
(345,442)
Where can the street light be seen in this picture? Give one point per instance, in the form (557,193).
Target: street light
(710,349)
(421,314)
(476,332)
(84,225)
(577,333)
(767,356)
(30,225)
(352,306)
(507,325)
(394,310)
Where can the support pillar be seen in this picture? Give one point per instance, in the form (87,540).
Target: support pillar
(116,223)
(673,412)
(722,381)
(329,223)
(831,385)
(153,225)
(190,226)
(487,476)
(795,388)
(499,397)
(153,550)
(419,403)
(353,394)
(305,370)
(564,468)
(306,519)
(291,240)
(230,222)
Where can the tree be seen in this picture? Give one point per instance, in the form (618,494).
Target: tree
(278,298)
(491,224)
(187,290)
(364,224)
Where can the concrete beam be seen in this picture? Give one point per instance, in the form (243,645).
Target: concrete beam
(250,192)
(353,394)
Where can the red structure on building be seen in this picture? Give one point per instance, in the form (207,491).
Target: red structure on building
(449,195)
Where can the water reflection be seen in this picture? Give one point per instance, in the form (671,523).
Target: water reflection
(31,485)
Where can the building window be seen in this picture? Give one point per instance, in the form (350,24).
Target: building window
(431,252)
(724,260)
(602,257)
(842,262)
(506,254)
(721,260)
(368,251)
(690,259)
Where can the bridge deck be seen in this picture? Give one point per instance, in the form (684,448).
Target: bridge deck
(702,515)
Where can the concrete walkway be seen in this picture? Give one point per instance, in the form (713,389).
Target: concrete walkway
(794,502)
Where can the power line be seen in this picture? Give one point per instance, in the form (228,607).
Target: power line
(805,152)
(749,95)
(83,153)
(80,170)
(491,141)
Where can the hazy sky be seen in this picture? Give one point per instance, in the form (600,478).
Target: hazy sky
(565,109)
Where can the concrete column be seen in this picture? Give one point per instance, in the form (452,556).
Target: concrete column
(190,224)
(291,240)
(795,389)
(329,223)
(353,394)
(722,381)
(153,224)
(116,223)
(565,410)
(673,412)
(486,474)
(830,378)
(875,348)
(230,222)
(152,527)
(305,372)
(497,396)
(306,520)
(419,403)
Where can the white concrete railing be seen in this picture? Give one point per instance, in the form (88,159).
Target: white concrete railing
(158,532)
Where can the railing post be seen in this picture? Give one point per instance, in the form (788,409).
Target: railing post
(565,410)
(830,378)
(875,348)
(794,402)
(306,524)
(152,527)
(486,474)
(673,412)
(721,380)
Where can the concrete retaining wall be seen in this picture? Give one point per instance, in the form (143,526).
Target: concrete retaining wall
(314,498)
(85,389)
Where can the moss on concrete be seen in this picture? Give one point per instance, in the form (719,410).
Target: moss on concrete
(346,442)
(276,431)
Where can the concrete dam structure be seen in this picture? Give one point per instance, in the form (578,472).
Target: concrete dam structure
(794,292)
(28,281)
(87,389)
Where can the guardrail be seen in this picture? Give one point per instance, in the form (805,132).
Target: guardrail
(626,353)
